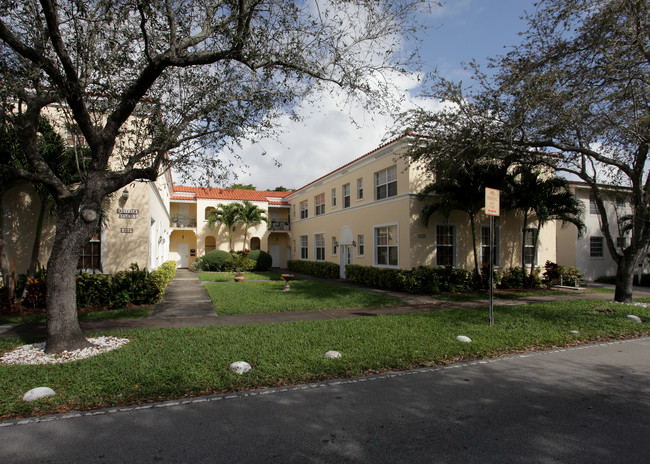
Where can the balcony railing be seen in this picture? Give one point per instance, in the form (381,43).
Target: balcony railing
(277,225)
(183,221)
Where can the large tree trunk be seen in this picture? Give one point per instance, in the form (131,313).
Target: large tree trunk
(72,234)
(625,278)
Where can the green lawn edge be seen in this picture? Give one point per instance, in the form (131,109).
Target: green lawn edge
(166,364)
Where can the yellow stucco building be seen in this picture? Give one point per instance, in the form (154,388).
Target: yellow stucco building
(365,212)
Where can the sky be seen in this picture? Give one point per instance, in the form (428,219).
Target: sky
(461,30)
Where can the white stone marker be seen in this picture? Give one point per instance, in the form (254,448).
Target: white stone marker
(463,338)
(38,393)
(633,318)
(332,355)
(240,367)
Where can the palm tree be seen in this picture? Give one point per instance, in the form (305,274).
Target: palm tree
(250,215)
(548,198)
(227,215)
(462,188)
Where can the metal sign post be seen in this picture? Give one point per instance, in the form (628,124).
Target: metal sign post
(492,208)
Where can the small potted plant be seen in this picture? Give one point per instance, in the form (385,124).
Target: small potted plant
(238,261)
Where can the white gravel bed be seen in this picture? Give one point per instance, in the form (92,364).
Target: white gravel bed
(35,353)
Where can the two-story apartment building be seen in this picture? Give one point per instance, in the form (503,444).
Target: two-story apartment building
(367,212)
(588,252)
(192,236)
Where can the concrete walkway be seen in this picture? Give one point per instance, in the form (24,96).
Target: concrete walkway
(186,304)
(184,297)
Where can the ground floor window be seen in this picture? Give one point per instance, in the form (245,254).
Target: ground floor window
(596,247)
(304,247)
(445,245)
(361,248)
(91,255)
(485,246)
(529,236)
(335,246)
(319,247)
(386,248)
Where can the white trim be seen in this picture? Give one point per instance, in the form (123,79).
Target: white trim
(454,263)
(375,245)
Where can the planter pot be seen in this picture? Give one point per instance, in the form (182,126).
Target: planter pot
(239,278)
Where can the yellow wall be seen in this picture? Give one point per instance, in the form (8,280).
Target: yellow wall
(21,205)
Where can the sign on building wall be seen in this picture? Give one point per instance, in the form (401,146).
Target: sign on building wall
(127,213)
(126,230)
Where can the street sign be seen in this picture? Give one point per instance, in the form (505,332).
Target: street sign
(492,203)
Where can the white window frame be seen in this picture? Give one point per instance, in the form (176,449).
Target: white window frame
(361,246)
(392,243)
(319,204)
(304,247)
(346,195)
(497,245)
(453,245)
(593,206)
(333,198)
(385,179)
(319,246)
(304,209)
(524,246)
(335,245)
(360,188)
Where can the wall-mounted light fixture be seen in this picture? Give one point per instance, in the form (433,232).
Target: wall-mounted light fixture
(125,195)
(336,243)
(354,244)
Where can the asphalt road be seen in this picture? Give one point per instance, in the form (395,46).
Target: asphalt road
(584,405)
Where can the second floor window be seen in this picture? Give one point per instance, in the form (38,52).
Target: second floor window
(319,201)
(596,247)
(386,183)
(346,196)
(304,209)
(360,189)
(333,197)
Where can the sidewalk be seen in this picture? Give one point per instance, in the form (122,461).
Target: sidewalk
(186,304)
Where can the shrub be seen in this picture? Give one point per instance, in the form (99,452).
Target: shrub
(263,260)
(95,290)
(215,260)
(422,279)
(555,274)
(323,269)
(239,262)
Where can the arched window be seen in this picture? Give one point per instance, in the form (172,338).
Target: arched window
(210,243)
(255,243)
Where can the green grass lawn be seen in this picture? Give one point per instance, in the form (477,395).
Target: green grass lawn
(139,312)
(163,364)
(270,297)
(230,276)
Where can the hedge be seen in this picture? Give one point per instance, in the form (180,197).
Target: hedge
(132,286)
(323,269)
(422,279)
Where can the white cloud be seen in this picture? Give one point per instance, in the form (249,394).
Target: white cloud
(327,138)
